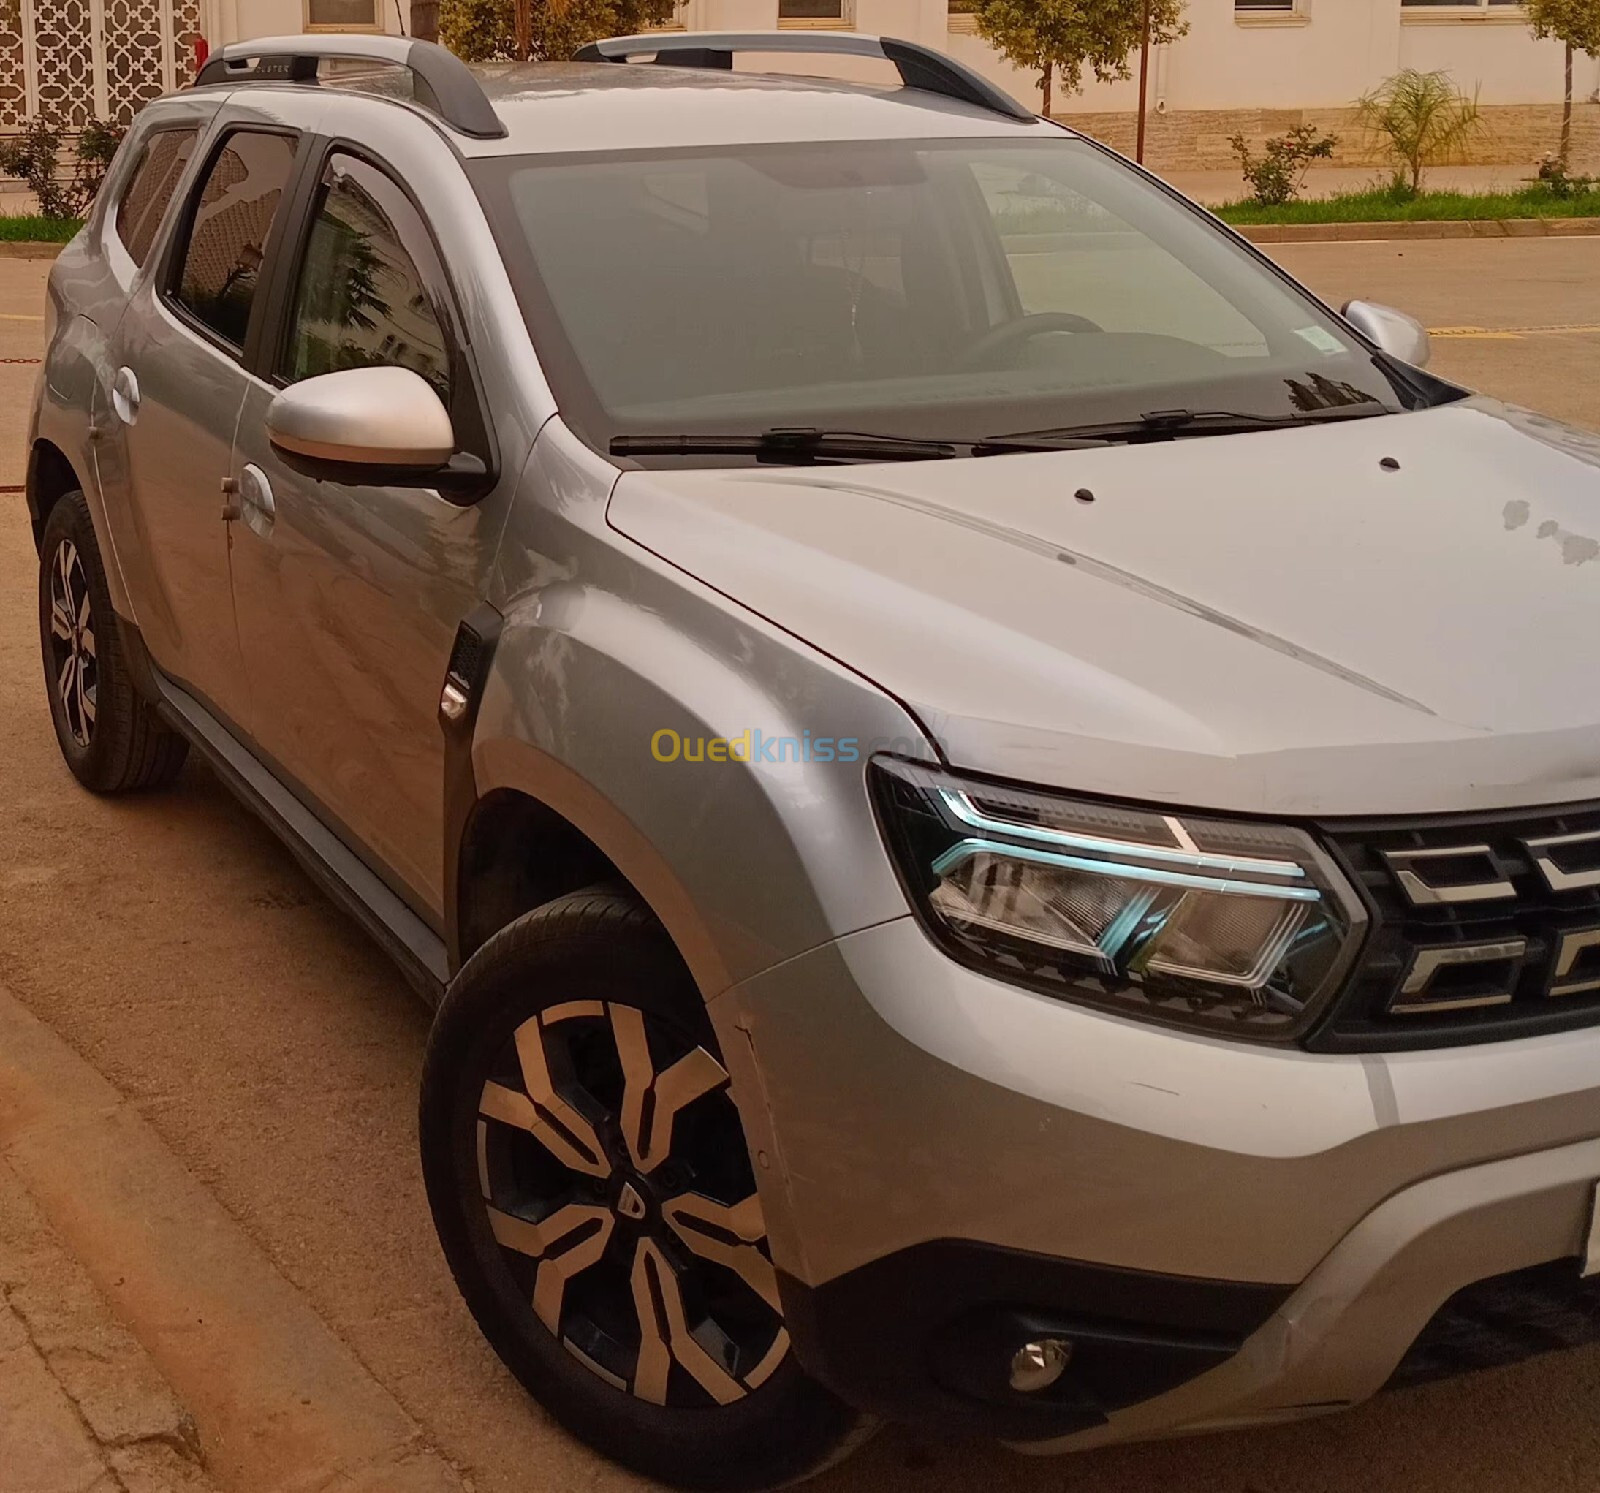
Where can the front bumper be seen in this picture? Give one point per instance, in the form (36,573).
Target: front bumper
(1237,1233)
(1341,1336)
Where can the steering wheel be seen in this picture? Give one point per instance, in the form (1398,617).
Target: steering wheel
(1008,333)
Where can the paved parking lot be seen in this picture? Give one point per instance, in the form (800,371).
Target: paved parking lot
(177,948)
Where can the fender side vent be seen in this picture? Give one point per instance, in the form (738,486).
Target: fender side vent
(466,659)
(469,666)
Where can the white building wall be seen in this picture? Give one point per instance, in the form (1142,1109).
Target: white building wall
(1502,60)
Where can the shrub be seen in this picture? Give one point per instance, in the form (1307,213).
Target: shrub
(476,30)
(1559,182)
(1420,120)
(540,30)
(1397,191)
(98,143)
(34,155)
(1281,172)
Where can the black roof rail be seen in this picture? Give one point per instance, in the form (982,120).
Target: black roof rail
(920,67)
(441,81)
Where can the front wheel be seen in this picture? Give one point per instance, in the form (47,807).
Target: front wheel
(593,1191)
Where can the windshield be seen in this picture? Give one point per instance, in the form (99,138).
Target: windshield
(946,290)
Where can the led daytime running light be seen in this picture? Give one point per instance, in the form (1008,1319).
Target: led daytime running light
(966,849)
(963,809)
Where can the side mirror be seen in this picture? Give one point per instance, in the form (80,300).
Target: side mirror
(370,426)
(1399,335)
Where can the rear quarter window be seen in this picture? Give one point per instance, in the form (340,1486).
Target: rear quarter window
(155,177)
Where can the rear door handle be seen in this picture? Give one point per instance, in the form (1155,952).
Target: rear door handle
(125,395)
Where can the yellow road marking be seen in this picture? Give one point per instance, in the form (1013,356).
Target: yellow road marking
(1512,334)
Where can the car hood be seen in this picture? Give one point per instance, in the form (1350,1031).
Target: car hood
(1277,622)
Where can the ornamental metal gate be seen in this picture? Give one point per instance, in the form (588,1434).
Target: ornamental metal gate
(76,60)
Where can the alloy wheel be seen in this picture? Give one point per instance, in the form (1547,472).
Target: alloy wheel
(76,669)
(618,1188)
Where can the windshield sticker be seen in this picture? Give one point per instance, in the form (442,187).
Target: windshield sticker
(1320,338)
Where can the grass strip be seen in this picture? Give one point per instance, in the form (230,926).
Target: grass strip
(18,229)
(1384,206)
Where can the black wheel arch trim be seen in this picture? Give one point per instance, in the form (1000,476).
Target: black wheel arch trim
(471,659)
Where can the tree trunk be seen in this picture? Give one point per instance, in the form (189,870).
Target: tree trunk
(425,20)
(1144,83)
(1566,116)
(1045,83)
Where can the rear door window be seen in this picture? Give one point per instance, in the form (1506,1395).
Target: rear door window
(155,177)
(231,224)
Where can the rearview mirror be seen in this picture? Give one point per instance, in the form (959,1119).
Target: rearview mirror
(1399,335)
(380,426)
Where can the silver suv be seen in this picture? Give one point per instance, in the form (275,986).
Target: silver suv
(996,802)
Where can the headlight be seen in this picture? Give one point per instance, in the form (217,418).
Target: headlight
(1228,926)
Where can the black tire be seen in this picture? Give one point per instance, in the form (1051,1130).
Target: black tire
(592,980)
(109,735)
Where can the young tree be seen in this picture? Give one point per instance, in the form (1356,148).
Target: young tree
(1063,37)
(1577,23)
(542,30)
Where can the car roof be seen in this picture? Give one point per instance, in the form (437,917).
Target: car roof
(551,107)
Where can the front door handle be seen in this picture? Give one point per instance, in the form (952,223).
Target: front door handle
(256,503)
(125,395)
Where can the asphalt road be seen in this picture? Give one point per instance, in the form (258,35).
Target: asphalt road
(174,944)
(1519,319)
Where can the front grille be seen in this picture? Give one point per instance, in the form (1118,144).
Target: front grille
(1502,1320)
(1484,927)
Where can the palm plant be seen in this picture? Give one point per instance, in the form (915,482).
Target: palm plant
(1420,120)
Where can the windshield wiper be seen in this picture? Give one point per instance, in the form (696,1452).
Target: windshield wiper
(803,445)
(796,446)
(1164,425)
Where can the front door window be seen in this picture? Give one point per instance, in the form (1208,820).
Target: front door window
(361,301)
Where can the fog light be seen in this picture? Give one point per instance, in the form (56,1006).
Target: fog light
(1037,1365)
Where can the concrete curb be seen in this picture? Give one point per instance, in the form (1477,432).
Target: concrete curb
(10,249)
(1338,233)
(281,1403)
(71,1346)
